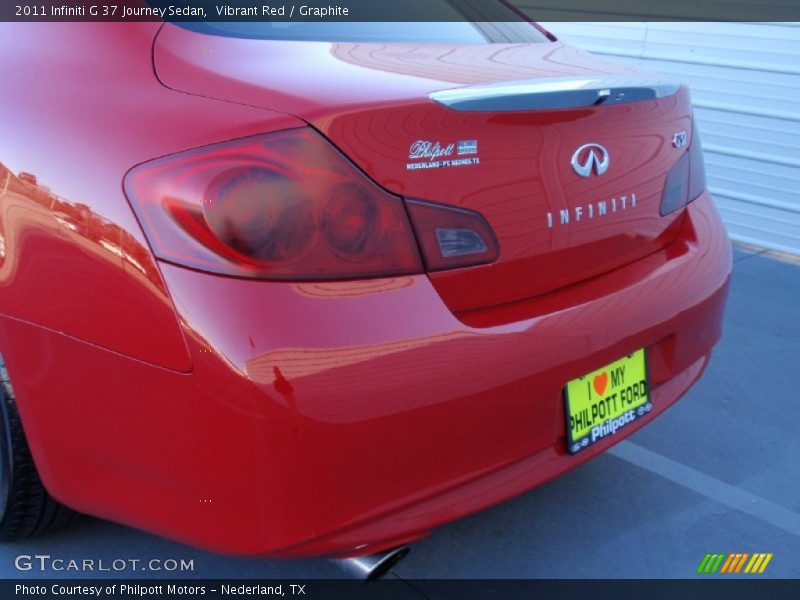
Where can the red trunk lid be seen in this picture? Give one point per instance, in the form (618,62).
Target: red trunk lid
(514,151)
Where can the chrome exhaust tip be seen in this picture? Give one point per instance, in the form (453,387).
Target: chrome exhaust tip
(371,566)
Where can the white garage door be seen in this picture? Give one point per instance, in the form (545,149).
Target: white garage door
(745,82)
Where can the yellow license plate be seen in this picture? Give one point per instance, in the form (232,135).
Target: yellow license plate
(602,402)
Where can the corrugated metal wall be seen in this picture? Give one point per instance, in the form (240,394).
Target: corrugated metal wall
(745,82)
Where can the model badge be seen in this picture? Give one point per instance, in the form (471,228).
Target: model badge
(591,210)
(679,139)
(590,157)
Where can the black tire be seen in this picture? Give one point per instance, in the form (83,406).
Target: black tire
(26,509)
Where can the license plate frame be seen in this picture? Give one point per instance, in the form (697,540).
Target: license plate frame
(607,400)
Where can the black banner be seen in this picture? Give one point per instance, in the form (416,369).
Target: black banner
(400,10)
(393,588)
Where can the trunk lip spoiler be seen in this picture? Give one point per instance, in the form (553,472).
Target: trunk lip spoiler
(554,93)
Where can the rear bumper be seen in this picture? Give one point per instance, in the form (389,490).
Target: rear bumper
(346,418)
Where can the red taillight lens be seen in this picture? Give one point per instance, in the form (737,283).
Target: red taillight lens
(697,166)
(687,178)
(452,237)
(285,205)
(676,186)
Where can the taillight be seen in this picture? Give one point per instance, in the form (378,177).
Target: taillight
(284,205)
(687,178)
(697,166)
(452,237)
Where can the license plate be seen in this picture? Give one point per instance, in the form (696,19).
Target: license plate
(604,401)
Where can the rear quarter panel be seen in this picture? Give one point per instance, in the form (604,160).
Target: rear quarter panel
(81,105)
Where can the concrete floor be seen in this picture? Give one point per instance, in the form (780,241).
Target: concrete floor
(719,472)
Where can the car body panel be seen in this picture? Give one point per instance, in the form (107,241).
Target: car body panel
(351,75)
(76,260)
(525,183)
(371,422)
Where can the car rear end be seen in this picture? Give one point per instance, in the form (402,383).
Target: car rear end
(414,278)
(413,301)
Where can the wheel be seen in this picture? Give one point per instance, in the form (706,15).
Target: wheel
(26,509)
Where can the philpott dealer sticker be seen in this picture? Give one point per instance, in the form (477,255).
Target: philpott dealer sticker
(426,154)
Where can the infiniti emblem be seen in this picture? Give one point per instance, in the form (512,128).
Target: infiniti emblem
(588,157)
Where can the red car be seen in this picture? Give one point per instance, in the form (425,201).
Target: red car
(301,290)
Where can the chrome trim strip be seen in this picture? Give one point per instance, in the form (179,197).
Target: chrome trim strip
(554,93)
